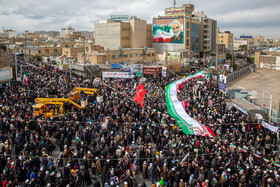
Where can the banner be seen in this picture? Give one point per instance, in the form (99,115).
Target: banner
(120,75)
(168,30)
(270,127)
(151,70)
(175,108)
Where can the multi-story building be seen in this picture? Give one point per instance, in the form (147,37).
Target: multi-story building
(76,36)
(243,44)
(226,39)
(65,32)
(129,55)
(269,59)
(207,34)
(259,39)
(114,35)
(172,32)
(10,33)
(195,37)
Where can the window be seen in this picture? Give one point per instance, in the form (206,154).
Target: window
(222,41)
(119,56)
(205,42)
(125,56)
(187,42)
(149,54)
(39,51)
(141,54)
(205,26)
(113,56)
(131,55)
(205,31)
(188,34)
(55,51)
(47,51)
(222,36)
(136,55)
(153,54)
(188,25)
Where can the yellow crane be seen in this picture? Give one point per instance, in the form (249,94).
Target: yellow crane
(76,93)
(42,105)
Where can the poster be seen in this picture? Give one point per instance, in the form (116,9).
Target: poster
(168,30)
(222,83)
(174,55)
(136,68)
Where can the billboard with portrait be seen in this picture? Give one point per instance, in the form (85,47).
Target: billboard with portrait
(168,30)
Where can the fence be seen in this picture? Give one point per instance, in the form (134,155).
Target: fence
(246,70)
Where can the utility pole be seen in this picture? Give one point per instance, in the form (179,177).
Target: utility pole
(16,65)
(217,55)
(232,53)
(174,3)
(84,57)
(270,108)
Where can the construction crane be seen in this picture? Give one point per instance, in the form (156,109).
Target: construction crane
(41,108)
(76,93)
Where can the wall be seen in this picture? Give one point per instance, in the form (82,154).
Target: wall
(226,38)
(149,41)
(108,35)
(125,35)
(46,51)
(71,52)
(161,47)
(138,33)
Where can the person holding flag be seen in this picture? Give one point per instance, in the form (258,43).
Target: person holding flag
(25,78)
(140,94)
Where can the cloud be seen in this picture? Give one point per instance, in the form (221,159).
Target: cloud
(239,16)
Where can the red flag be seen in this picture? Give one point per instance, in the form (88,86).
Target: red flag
(140,94)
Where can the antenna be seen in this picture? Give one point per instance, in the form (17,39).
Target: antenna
(222,20)
(174,3)
(77,23)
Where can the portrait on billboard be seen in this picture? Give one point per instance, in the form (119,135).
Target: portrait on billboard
(168,31)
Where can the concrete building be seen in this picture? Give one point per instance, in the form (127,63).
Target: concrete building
(226,38)
(43,51)
(72,51)
(195,37)
(269,59)
(128,55)
(243,44)
(259,39)
(76,36)
(208,33)
(10,33)
(172,32)
(65,32)
(114,35)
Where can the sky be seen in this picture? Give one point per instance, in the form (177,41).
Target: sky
(241,17)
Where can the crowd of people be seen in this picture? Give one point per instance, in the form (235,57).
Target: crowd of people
(115,142)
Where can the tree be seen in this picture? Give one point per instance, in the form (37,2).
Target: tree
(228,56)
(38,58)
(3,46)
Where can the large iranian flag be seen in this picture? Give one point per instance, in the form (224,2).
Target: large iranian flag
(175,108)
